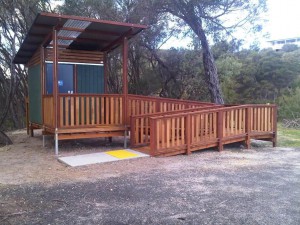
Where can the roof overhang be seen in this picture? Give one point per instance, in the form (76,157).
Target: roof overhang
(74,32)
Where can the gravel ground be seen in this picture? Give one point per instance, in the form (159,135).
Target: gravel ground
(236,186)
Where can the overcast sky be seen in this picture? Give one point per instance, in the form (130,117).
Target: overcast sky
(283,22)
(284,19)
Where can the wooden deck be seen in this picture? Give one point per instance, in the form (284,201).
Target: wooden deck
(158,126)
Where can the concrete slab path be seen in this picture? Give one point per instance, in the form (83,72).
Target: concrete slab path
(102,157)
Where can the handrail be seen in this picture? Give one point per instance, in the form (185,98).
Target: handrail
(170,99)
(214,110)
(177,111)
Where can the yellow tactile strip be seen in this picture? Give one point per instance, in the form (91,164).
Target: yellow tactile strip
(122,154)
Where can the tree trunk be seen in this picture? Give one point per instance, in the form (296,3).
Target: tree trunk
(210,69)
(185,10)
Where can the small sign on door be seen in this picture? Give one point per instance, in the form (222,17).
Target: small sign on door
(60,83)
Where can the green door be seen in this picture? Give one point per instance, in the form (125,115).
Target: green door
(35,94)
(90,79)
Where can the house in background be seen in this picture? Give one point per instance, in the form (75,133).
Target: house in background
(67,73)
(279,43)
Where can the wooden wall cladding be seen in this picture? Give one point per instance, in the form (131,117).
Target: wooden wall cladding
(35,59)
(77,56)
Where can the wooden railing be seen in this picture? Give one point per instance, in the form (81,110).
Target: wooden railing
(183,132)
(48,110)
(78,110)
(140,124)
(138,105)
(262,118)
(83,110)
(166,126)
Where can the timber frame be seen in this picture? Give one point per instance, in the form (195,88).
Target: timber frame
(157,126)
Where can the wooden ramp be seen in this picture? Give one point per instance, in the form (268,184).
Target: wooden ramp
(178,132)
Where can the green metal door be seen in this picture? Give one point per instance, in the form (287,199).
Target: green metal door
(35,94)
(90,79)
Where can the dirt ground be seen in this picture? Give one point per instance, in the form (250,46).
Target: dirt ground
(236,186)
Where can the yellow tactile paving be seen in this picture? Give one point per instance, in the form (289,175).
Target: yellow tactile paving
(122,154)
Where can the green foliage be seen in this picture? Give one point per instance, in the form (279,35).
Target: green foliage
(246,76)
(229,67)
(265,75)
(289,104)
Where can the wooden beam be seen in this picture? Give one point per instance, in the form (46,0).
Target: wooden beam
(118,40)
(59,46)
(80,18)
(47,40)
(82,39)
(90,31)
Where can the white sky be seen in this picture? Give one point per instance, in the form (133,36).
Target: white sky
(283,21)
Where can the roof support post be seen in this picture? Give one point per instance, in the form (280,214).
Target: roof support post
(55,87)
(42,62)
(125,80)
(105,63)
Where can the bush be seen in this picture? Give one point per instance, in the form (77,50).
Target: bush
(289,105)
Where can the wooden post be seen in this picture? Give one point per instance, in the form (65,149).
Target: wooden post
(42,55)
(132,131)
(27,114)
(274,140)
(55,89)
(153,136)
(105,64)
(125,82)
(220,130)
(188,128)
(248,126)
(55,79)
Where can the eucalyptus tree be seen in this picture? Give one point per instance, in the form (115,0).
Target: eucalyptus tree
(212,19)
(16,17)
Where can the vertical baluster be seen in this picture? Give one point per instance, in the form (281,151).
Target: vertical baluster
(92,110)
(72,110)
(77,114)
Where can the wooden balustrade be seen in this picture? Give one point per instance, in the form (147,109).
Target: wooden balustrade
(138,105)
(234,121)
(167,126)
(79,110)
(203,127)
(184,131)
(48,112)
(88,110)
(262,118)
(140,124)
(169,134)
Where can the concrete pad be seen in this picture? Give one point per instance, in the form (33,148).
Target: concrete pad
(102,157)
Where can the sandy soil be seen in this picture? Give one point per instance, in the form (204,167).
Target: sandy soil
(27,161)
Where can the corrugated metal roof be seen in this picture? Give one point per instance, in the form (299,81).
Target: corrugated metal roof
(74,32)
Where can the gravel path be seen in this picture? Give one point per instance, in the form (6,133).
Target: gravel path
(236,186)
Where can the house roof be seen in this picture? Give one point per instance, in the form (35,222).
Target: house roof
(74,32)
